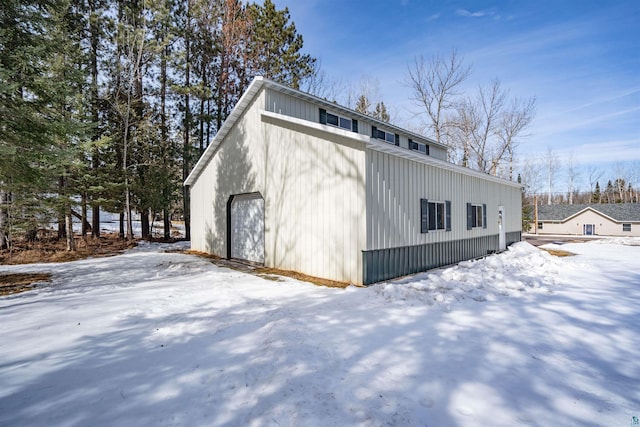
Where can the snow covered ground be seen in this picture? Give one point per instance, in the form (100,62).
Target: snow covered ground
(155,338)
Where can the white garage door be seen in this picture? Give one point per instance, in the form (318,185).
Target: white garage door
(247,227)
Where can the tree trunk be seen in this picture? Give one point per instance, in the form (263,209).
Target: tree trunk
(4,220)
(166,223)
(83,220)
(71,242)
(187,130)
(62,231)
(94,35)
(121,233)
(144,223)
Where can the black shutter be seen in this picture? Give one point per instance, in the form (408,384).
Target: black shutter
(397,140)
(374,132)
(469,216)
(424,216)
(484,216)
(447,215)
(411,144)
(323,116)
(354,125)
(427,152)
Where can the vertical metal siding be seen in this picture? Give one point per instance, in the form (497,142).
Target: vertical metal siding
(384,264)
(396,185)
(313,187)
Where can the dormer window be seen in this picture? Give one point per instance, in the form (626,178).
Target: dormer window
(391,138)
(418,146)
(327,118)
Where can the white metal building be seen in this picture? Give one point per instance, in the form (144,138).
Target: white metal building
(300,183)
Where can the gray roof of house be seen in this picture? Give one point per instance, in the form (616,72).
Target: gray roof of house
(619,212)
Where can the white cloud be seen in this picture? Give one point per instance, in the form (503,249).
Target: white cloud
(478,14)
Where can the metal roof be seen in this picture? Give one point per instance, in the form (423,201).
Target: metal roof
(619,212)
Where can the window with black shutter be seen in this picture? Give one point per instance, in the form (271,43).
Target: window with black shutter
(435,216)
(476,216)
(424,216)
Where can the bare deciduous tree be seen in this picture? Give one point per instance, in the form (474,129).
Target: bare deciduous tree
(514,122)
(486,129)
(552,163)
(434,84)
(594,174)
(572,175)
(321,85)
(531,175)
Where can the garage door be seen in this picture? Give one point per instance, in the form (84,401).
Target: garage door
(247,227)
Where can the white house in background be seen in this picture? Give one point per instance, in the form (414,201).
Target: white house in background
(298,183)
(589,220)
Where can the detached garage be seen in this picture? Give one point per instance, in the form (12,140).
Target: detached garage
(298,183)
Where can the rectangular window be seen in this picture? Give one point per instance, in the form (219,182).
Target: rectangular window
(327,118)
(626,227)
(389,137)
(418,146)
(540,226)
(476,216)
(345,123)
(434,216)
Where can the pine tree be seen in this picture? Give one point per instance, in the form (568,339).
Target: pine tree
(38,81)
(275,46)
(363,105)
(596,197)
(380,112)
(610,192)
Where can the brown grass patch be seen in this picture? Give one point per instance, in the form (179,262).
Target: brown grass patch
(264,271)
(19,282)
(272,274)
(52,249)
(557,252)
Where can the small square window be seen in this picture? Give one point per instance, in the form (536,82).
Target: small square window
(626,227)
(539,226)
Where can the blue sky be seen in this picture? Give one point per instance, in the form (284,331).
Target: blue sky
(580,59)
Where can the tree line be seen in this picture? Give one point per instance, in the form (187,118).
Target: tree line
(107,104)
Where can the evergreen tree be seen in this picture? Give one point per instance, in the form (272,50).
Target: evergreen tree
(380,112)
(275,46)
(363,105)
(37,109)
(596,197)
(610,192)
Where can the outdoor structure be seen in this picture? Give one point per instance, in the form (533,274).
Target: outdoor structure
(589,220)
(298,183)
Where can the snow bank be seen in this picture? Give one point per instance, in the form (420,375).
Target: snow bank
(626,241)
(521,268)
(159,338)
